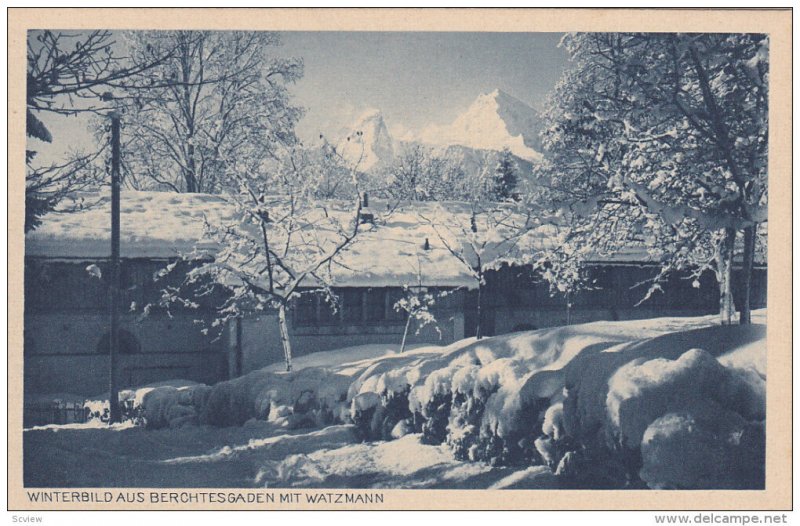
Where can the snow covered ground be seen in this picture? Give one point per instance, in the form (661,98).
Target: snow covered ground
(662,403)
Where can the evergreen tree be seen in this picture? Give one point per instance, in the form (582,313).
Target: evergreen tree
(505,180)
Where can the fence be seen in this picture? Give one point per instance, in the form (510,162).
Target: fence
(54,412)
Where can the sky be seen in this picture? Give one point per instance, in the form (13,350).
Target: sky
(415,78)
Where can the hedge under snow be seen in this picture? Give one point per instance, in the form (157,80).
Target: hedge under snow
(666,403)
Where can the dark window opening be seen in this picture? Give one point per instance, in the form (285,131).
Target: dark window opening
(328,310)
(375,305)
(305,310)
(392,297)
(353,306)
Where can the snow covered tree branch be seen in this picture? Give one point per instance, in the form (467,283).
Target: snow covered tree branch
(220,95)
(661,141)
(70,74)
(280,242)
(483,236)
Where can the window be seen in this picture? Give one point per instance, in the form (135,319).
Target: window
(58,286)
(354,306)
(305,310)
(375,305)
(328,310)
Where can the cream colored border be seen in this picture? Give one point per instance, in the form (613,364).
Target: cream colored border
(779,404)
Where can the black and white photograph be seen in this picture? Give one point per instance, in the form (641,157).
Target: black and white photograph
(376,260)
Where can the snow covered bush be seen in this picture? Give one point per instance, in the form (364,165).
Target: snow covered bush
(588,374)
(615,394)
(304,398)
(554,442)
(433,418)
(644,390)
(474,409)
(130,411)
(718,450)
(365,412)
(464,427)
(376,416)
(699,424)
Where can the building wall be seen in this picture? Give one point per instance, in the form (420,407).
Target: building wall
(516,299)
(260,343)
(66,321)
(66,317)
(63,352)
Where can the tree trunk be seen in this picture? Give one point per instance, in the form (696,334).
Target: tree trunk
(725,276)
(478,334)
(747,273)
(287,345)
(569,307)
(191,173)
(405,334)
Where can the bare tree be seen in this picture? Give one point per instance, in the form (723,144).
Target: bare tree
(70,73)
(279,242)
(483,237)
(416,303)
(219,95)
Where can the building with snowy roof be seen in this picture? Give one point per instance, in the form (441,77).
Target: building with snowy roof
(67,306)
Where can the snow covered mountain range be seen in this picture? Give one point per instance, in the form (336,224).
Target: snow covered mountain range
(493,122)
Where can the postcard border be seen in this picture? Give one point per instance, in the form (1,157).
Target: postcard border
(777,22)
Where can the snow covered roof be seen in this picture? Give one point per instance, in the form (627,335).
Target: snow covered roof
(152,225)
(161,225)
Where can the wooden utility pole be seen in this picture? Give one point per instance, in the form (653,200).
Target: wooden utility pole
(114,409)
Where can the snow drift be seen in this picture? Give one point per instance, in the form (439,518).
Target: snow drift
(661,403)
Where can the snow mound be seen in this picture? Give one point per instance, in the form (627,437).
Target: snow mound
(302,398)
(587,380)
(553,424)
(643,390)
(717,449)
(402,463)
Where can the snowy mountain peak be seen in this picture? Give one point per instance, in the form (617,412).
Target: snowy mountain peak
(494,121)
(496,95)
(368,142)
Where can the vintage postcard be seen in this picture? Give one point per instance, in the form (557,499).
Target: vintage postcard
(397,259)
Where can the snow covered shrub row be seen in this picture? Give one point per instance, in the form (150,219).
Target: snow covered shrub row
(381,416)
(580,400)
(661,413)
(305,398)
(599,405)
(471,397)
(704,451)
